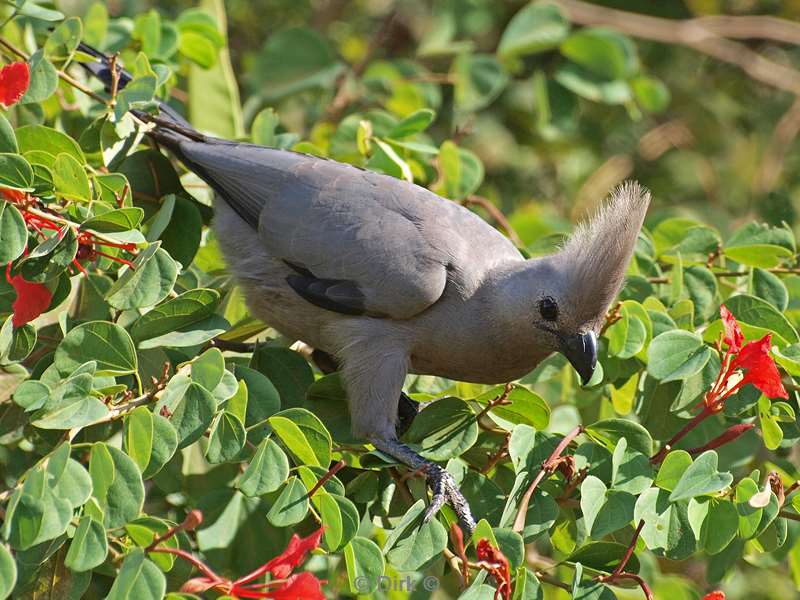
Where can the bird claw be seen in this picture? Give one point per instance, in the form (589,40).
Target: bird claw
(445,490)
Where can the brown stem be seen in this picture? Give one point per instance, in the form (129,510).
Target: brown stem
(343,98)
(548,467)
(243,347)
(496,214)
(632,576)
(500,400)
(789,515)
(324,479)
(659,456)
(62,75)
(725,437)
(190,523)
(693,33)
(188,556)
(495,458)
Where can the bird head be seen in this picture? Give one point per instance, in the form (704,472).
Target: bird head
(573,288)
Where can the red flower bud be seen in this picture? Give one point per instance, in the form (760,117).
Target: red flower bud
(14,81)
(32,299)
(192,520)
(717,595)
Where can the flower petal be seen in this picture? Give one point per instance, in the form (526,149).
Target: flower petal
(302,586)
(733,334)
(14,81)
(760,369)
(716,595)
(32,300)
(282,565)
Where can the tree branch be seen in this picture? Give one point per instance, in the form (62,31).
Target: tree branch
(699,34)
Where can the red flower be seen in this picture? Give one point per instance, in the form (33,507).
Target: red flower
(13,196)
(716,595)
(733,334)
(302,586)
(495,563)
(14,80)
(282,565)
(32,299)
(760,369)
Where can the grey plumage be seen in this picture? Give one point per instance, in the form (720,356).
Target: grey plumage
(389,278)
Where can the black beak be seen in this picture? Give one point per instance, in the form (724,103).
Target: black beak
(581,351)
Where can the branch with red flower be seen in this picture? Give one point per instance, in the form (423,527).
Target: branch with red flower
(284,585)
(742,364)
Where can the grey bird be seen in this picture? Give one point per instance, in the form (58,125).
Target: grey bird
(387,278)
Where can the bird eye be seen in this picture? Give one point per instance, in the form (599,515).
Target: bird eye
(548,309)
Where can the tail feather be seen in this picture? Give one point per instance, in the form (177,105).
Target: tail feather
(101,69)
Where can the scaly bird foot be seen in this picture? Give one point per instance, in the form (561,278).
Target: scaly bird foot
(443,487)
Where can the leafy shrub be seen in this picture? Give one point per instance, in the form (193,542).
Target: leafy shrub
(148,438)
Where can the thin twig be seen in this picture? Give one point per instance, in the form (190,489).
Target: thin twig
(324,479)
(548,468)
(620,573)
(693,33)
(496,214)
(789,515)
(343,98)
(62,75)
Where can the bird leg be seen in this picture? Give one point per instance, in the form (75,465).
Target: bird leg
(407,409)
(443,486)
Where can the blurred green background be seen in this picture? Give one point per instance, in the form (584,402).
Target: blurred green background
(715,143)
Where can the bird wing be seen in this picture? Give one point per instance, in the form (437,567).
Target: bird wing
(359,242)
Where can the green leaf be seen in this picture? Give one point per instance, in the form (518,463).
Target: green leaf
(672,469)
(117,485)
(51,257)
(63,41)
(267,470)
(479,78)
(701,478)
(191,408)
(89,546)
(759,245)
(208,368)
(70,179)
(630,470)
(46,139)
(608,432)
(138,438)
(602,51)
(291,505)
(8,141)
(604,511)
(165,443)
(15,172)
(44,79)
(627,336)
(35,512)
(534,28)
(759,313)
(415,546)
(603,556)
(30,8)
(651,93)
(227,438)
(769,287)
(749,516)
(186,309)
(676,355)
(149,281)
(198,49)
(287,370)
(135,94)
(770,430)
(294,60)
(13,233)
(719,527)
(106,343)
(114,221)
(304,436)
(8,572)
(138,579)
(263,130)
(365,565)
(414,123)
(462,171)
(444,429)
(214,104)
(592,87)
(525,407)
(666,524)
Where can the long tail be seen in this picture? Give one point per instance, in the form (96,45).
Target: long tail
(169,121)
